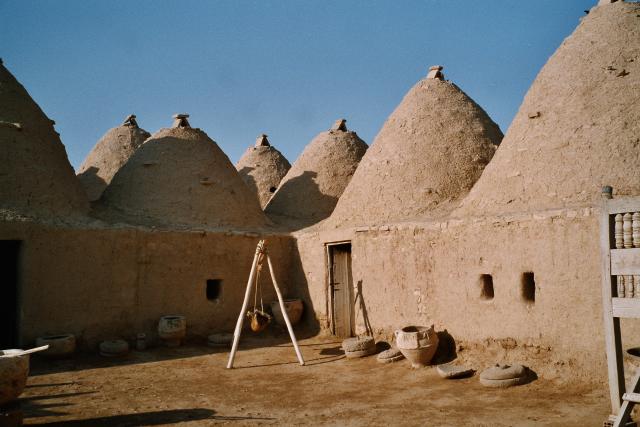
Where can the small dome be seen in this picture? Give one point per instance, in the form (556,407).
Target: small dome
(179,176)
(262,167)
(311,188)
(428,154)
(36,178)
(578,127)
(108,155)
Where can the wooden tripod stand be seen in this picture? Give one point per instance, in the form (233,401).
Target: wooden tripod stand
(261,252)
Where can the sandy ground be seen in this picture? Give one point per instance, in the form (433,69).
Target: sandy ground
(190,386)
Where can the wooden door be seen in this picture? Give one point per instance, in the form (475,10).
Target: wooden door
(341,288)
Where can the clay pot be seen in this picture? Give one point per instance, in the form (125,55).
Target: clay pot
(14,370)
(417,343)
(59,345)
(294,308)
(172,330)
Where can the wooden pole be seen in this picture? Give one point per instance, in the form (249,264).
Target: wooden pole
(284,311)
(240,322)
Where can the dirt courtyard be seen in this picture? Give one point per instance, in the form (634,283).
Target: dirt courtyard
(190,386)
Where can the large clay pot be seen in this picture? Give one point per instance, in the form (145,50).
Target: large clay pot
(172,329)
(294,308)
(14,370)
(59,345)
(417,343)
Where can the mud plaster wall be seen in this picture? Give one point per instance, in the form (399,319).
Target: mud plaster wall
(104,283)
(424,273)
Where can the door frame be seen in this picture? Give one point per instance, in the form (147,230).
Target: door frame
(17,265)
(328,280)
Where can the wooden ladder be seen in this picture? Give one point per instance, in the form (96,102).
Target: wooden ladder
(628,401)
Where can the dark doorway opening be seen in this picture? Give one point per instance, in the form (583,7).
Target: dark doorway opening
(340,289)
(9,293)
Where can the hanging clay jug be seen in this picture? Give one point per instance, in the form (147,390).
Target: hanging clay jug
(259,320)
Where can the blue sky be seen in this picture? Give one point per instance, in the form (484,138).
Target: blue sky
(285,68)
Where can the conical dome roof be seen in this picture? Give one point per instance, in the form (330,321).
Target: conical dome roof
(428,154)
(108,155)
(179,176)
(36,177)
(262,167)
(311,188)
(578,127)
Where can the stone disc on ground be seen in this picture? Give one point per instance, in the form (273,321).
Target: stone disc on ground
(503,375)
(390,355)
(451,371)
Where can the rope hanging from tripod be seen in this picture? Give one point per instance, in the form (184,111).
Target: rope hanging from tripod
(259,318)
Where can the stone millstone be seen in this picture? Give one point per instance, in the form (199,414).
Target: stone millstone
(114,348)
(220,340)
(391,355)
(503,375)
(359,347)
(454,371)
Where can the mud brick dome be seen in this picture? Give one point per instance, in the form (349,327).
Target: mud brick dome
(36,178)
(311,188)
(108,155)
(579,125)
(262,167)
(428,154)
(181,176)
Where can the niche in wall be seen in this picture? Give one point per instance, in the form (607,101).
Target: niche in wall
(528,287)
(486,287)
(214,289)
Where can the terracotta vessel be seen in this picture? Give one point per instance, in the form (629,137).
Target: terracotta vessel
(14,369)
(294,308)
(417,343)
(172,330)
(59,345)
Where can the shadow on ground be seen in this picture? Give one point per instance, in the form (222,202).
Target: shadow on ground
(275,336)
(153,418)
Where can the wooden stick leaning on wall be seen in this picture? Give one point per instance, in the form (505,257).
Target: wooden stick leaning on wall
(261,251)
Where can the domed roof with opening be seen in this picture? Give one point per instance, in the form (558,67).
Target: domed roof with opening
(311,188)
(578,127)
(36,178)
(108,155)
(262,167)
(179,176)
(428,154)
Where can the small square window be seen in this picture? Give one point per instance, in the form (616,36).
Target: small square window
(528,287)
(486,287)
(214,289)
